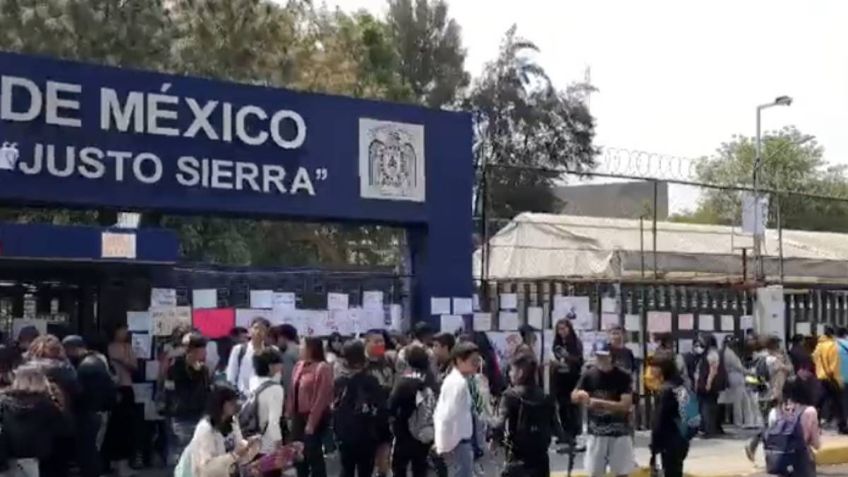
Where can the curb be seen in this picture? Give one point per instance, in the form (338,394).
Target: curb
(831,455)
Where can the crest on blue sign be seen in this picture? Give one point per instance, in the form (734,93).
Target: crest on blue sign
(391,160)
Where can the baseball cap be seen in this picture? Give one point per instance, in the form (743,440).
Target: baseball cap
(601,348)
(73,341)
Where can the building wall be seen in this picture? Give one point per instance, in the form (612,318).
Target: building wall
(626,200)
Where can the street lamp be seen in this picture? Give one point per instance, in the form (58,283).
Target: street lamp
(758,239)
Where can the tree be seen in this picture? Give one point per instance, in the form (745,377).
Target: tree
(793,162)
(525,129)
(429,50)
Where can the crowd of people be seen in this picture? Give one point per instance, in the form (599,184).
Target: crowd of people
(264,400)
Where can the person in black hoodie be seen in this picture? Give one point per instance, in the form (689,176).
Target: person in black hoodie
(666,439)
(359,413)
(525,421)
(32,421)
(187,389)
(98,395)
(415,383)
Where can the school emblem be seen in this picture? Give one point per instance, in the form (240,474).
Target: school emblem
(391,160)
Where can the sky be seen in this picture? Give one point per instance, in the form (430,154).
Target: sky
(679,78)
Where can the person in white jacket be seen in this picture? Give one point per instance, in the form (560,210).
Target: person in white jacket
(268,365)
(240,365)
(206,454)
(452,419)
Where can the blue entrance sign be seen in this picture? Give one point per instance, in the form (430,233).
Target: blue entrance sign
(73,134)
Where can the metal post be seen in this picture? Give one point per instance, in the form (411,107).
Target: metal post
(779,235)
(759,274)
(642,243)
(656,194)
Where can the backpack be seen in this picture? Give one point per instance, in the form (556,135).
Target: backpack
(355,412)
(420,422)
(248,417)
(533,426)
(784,444)
(689,415)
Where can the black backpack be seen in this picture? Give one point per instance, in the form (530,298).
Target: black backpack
(533,426)
(248,416)
(356,411)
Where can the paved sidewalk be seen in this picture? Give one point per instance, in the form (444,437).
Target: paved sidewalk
(720,457)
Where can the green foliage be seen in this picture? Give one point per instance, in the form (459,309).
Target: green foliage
(525,124)
(792,161)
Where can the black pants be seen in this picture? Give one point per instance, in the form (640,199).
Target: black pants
(313,464)
(409,453)
(708,402)
(87,456)
(833,394)
(569,413)
(672,461)
(119,443)
(357,460)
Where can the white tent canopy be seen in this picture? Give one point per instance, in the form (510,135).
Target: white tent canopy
(545,246)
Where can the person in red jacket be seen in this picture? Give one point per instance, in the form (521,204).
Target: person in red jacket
(308,405)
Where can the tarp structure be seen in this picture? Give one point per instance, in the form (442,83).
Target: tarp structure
(545,246)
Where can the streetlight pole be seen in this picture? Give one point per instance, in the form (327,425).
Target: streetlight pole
(759,232)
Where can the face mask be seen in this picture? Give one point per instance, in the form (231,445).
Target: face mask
(699,349)
(277,378)
(198,365)
(378,351)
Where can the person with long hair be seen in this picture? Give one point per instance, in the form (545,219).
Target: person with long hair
(414,387)
(119,445)
(206,454)
(565,372)
(47,353)
(708,383)
(308,404)
(525,420)
(796,402)
(32,423)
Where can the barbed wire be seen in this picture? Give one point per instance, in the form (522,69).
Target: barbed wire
(632,164)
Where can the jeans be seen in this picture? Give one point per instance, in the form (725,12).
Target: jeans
(182,430)
(569,413)
(312,464)
(410,453)
(833,393)
(460,461)
(357,460)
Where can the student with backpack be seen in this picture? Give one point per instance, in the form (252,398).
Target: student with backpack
(359,416)
(525,421)
(676,418)
(793,433)
(262,413)
(240,366)
(411,407)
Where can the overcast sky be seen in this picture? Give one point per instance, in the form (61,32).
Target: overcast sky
(676,77)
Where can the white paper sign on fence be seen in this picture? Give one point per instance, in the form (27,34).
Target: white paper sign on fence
(245,316)
(396,317)
(706,322)
(337,301)
(509,301)
(576,309)
(535,317)
(659,322)
(440,306)
(452,323)
(746,322)
(163,298)
(151,370)
(284,301)
(204,298)
(728,323)
(633,322)
(463,306)
(139,321)
(508,321)
(482,322)
(261,299)
(166,320)
(803,328)
(686,321)
(609,321)
(609,305)
(141,345)
(372,300)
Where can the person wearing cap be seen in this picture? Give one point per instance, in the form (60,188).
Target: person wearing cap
(607,391)
(25,337)
(96,399)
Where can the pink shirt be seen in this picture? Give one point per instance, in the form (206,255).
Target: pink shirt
(312,386)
